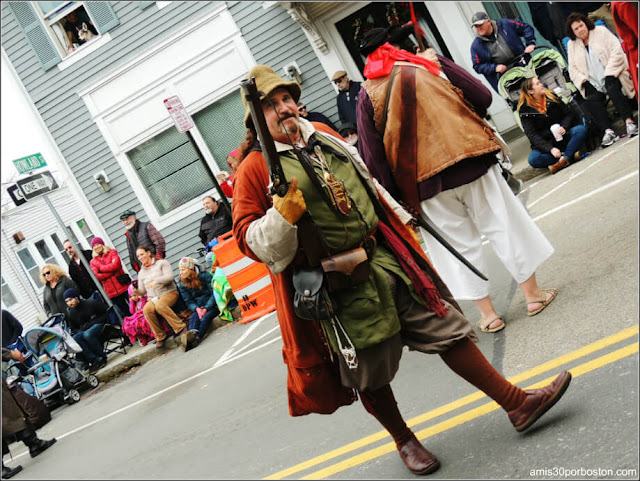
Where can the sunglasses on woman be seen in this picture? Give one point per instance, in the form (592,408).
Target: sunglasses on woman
(46,273)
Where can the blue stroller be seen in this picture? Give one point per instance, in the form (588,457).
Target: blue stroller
(52,372)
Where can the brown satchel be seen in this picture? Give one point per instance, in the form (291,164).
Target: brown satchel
(346,270)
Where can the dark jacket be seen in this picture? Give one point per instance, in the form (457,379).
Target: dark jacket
(107,267)
(86,314)
(53,299)
(536,125)
(13,416)
(81,277)
(199,297)
(140,235)
(347,102)
(511,31)
(318,117)
(214,225)
(11,328)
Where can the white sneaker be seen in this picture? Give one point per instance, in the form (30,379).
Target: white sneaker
(609,138)
(632,129)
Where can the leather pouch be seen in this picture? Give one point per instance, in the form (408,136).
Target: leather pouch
(311,300)
(346,270)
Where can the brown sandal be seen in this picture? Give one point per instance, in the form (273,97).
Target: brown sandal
(543,301)
(484,327)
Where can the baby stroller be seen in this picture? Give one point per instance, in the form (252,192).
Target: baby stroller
(546,64)
(53,373)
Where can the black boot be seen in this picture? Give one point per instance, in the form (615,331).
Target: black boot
(10,472)
(36,445)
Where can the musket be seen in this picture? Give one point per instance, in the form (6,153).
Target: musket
(279,184)
(431,230)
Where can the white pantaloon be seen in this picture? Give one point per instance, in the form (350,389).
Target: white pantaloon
(485,206)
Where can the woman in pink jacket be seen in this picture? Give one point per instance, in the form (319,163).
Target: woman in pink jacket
(107,267)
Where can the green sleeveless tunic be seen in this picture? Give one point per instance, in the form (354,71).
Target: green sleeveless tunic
(367,312)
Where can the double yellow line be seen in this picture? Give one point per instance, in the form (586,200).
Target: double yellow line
(466,416)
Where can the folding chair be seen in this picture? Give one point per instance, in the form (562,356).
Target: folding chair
(112,338)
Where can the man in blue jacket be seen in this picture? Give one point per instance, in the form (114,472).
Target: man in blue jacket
(497,44)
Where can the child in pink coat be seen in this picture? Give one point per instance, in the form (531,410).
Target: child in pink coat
(136,326)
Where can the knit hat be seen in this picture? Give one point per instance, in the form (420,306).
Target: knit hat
(127,213)
(71,293)
(234,153)
(96,240)
(266,82)
(188,262)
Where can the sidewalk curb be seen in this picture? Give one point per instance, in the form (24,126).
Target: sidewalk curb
(119,363)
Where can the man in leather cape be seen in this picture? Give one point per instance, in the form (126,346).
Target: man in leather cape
(402,301)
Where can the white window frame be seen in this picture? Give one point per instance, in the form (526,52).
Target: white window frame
(53,17)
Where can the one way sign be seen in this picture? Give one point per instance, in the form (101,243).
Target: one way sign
(37,184)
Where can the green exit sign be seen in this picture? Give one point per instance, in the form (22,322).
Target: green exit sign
(27,164)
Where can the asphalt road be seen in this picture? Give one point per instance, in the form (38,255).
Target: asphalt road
(220,411)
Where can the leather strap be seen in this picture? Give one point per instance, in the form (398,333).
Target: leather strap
(392,76)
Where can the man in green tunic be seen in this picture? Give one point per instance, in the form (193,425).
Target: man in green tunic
(401,302)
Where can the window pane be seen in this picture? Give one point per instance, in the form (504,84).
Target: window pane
(86,231)
(35,275)
(222,127)
(47,7)
(7,295)
(26,258)
(56,241)
(43,249)
(72,236)
(30,265)
(170,170)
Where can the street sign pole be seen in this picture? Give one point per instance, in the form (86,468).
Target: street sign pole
(81,257)
(184,123)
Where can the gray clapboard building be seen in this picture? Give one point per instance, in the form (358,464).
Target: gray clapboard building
(100,92)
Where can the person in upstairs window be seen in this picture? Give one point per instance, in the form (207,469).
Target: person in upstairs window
(73,24)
